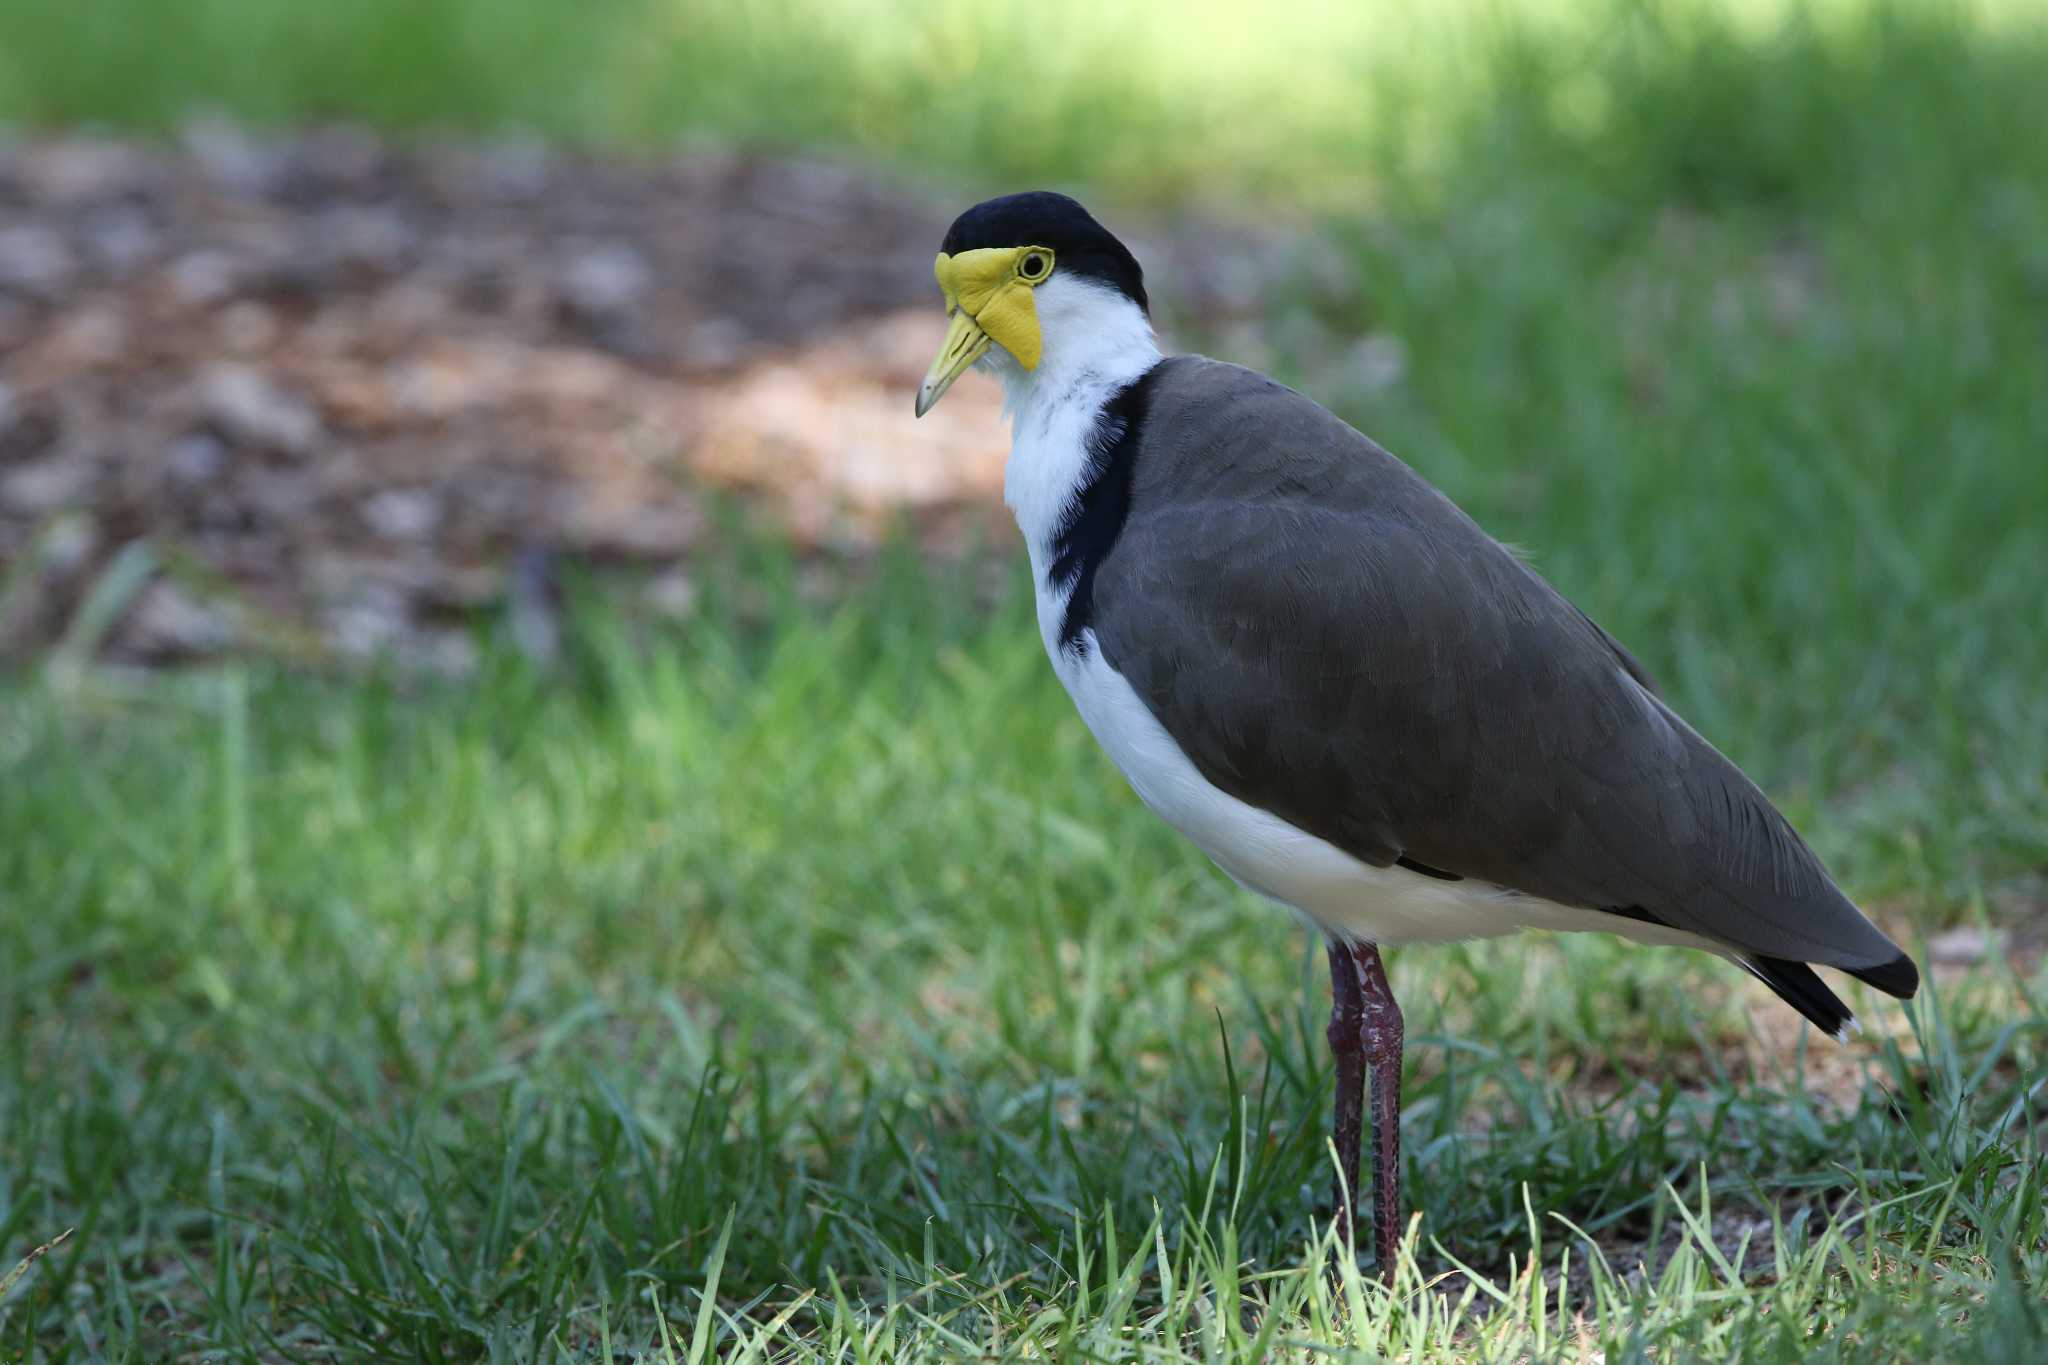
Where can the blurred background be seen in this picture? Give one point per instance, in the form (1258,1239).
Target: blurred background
(486,655)
(316,320)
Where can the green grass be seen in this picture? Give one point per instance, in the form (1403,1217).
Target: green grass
(1301,104)
(801,980)
(452,1021)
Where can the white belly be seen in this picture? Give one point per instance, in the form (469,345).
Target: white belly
(1266,854)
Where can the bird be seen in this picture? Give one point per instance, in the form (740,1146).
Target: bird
(1360,705)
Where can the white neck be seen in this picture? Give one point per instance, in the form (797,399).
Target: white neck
(1094,341)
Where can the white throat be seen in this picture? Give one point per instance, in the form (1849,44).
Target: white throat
(1094,341)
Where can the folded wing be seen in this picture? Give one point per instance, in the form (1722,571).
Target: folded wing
(1329,638)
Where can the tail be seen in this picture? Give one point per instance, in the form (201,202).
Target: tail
(1799,986)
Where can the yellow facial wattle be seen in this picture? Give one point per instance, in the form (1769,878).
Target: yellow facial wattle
(989,300)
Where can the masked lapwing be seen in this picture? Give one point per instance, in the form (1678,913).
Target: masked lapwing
(1356,702)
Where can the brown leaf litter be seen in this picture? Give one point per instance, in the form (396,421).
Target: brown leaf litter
(339,385)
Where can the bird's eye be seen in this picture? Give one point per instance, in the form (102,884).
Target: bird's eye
(1035,266)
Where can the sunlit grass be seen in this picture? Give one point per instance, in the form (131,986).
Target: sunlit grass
(433,1020)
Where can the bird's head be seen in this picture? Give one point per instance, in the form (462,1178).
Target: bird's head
(1025,276)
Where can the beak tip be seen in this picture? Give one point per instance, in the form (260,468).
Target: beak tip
(965,343)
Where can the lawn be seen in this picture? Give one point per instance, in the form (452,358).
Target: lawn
(799,981)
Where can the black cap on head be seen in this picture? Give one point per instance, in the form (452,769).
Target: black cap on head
(1080,245)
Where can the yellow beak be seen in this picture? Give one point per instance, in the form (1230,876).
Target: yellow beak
(990,302)
(965,343)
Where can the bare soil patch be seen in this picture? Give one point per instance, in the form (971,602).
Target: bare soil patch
(333,393)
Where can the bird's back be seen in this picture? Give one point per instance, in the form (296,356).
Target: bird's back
(1328,638)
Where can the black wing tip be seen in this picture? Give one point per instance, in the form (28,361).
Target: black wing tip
(1899,977)
(1799,986)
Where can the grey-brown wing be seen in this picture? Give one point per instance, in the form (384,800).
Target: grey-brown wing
(1622,655)
(1349,652)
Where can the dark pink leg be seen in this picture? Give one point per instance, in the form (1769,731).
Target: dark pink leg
(1366,1034)
(1346,1015)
